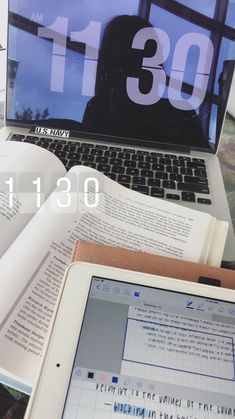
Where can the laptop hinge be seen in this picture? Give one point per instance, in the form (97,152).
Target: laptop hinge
(60,133)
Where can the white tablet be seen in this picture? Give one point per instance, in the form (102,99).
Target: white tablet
(131,345)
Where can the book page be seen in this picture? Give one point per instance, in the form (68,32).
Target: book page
(21,164)
(215,253)
(35,263)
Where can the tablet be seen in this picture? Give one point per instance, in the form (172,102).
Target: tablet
(131,345)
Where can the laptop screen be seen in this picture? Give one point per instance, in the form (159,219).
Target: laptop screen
(150,353)
(145,71)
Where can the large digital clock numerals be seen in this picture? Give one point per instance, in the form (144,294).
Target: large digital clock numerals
(178,69)
(95,195)
(152,64)
(10,183)
(58,32)
(90,37)
(65,196)
(65,183)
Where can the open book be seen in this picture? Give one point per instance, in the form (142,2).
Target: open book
(36,244)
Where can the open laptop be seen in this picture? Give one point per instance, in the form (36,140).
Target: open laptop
(135,89)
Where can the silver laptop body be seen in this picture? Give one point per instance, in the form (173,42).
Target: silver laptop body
(67,80)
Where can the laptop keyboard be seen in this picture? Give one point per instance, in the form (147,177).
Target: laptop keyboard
(162,175)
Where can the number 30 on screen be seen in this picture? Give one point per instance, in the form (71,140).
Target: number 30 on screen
(90,36)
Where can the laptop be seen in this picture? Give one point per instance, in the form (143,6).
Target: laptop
(135,89)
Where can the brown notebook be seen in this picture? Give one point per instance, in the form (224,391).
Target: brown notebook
(152,264)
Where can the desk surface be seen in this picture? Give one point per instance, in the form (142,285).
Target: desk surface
(227,161)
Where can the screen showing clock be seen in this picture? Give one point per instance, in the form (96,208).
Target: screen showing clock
(148,70)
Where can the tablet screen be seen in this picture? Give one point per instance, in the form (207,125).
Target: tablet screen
(151,353)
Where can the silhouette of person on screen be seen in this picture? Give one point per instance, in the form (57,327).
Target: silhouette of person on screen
(112,112)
